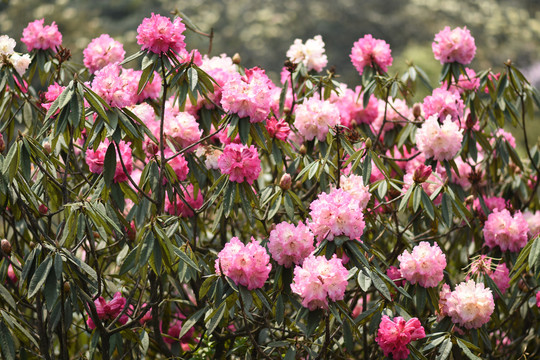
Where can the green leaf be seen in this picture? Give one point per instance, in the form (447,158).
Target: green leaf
(243,129)
(193,78)
(534,255)
(289,206)
(215,317)
(427,204)
(445,349)
(280,310)
(39,277)
(364,280)
(11,162)
(7,345)
(109,164)
(446,208)
(183,256)
(228,198)
(189,323)
(466,350)
(5,295)
(380,285)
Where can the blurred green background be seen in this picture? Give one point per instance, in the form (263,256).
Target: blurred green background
(262,31)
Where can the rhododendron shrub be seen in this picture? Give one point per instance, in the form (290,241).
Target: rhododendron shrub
(175,204)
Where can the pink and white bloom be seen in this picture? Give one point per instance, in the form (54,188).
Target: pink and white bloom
(7,45)
(393,336)
(424,265)
(102,51)
(38,36)
(311,54)
(158,34)
(247,265)
(314,118)
(318,280)
(442,103)
(533,219)
(354,185)
(469,305)
(506,231)
(240,162)
(289,244)
(116,90)
(368,51)
(439,142)
(454,45)
(351,107)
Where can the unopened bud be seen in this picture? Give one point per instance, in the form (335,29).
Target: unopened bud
(285,182)
(469,200)
(43,210)
(303,150)
(2,143)
(131,232)
(422,173)
(470,122)
(236,58)
(67,287)
(6,247)
(417,110)
(47,147)
(368,143)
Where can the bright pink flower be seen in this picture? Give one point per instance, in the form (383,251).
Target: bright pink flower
(152,89)
(240,162)
(424,265)
(439,142)
(538,299)
(492,203)
(109,310)
(506,231)
(158,34)
(247,265)
(315,117)
(456,45)
(319,279)
(394,336)
(278,129)
(468,82)
(311,54)
(395,275)
(12,276)
(470,304)
(95,159)
(368,51)
(53,92)
(249,95)
(499,274)
(37,36)
(116,90)
(501,277)
(174,331)
(351,106)
(442,103)
(102,51)
(178,164)
(179,207)
(336,213)
(289,244)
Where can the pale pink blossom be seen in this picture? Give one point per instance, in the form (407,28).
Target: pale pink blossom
(182,129)
(395,111)
(504,136)
(439,142)
(318,280)
(393,336)
(102,51)
(501,277)
(95,159)
(533,219)
(240,162)
(454,45)
(368,51)
(178,164)
(20,63)
(38,36)
(179,207)
(466,82)
(311,54)
(354,185)
(442,103)
(222,70)
(247,265)
(289,244)
(492,203)
(158,34)
(424,265)
(470,304)
(116,90)
(506,231)
(7,45)
(314,118)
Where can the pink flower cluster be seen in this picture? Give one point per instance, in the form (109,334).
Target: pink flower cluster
(439,142)
(311,54)
(454,45)
(53,92)
(368,51)
(469,305)
(351,108)
(37,36)
(113,88)
(314,117)
(95,159)
(336,213)
(466,82)
(249,96)
(442,103)
(109,310)
(240,162)
(354,185)
(247,265)
(394,335)
(424,265)
(506,231)
(158,34)
(492,203)
(289,244)
(533,219)
(395,111)
(102,51)
(319,279)
(500,274)
(179,206)
(182,128)
(278,129)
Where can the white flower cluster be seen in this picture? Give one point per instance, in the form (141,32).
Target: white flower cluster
(7,52)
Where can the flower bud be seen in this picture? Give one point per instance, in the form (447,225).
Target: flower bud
(131,232)
(303,150)
(470,121)
(236,58)
(67,287)
(6,247)
(47,147)
(2,143)
(285,182)
(469,200)
(422,173)
(368,143)
(417,110)
(43,210)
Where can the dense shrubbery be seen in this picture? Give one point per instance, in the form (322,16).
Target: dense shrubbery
(194,209)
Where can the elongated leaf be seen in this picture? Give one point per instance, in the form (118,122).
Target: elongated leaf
(6,342)
(185,258)
(39,277)
(189,323)
(215,317)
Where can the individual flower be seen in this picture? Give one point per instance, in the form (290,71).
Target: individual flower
(240,162)
(439,142)
(222,70)
(7,45)
(336,213)
(289,244)
(354,185)
(501,277)
(109,310)
(430,186)
(454,45)
(247,265)
(185,204)
(20,63)
(395,275)
(53,92)
(174,332)
(278,129)
(314,118)
(318,280)
(500,274)
(492,203)
(37,36)
(538,299)
(470,304)
(393,336)
(311,54)
(368,51)
(504,136)
(424,265)
(158,34)
(182,129)
(95,158)
(506,231)
(442,103)
(102,51)
(249,95)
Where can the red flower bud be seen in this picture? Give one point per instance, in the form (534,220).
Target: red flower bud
(6,247)
(43,210)
(285,182)
(422,173)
